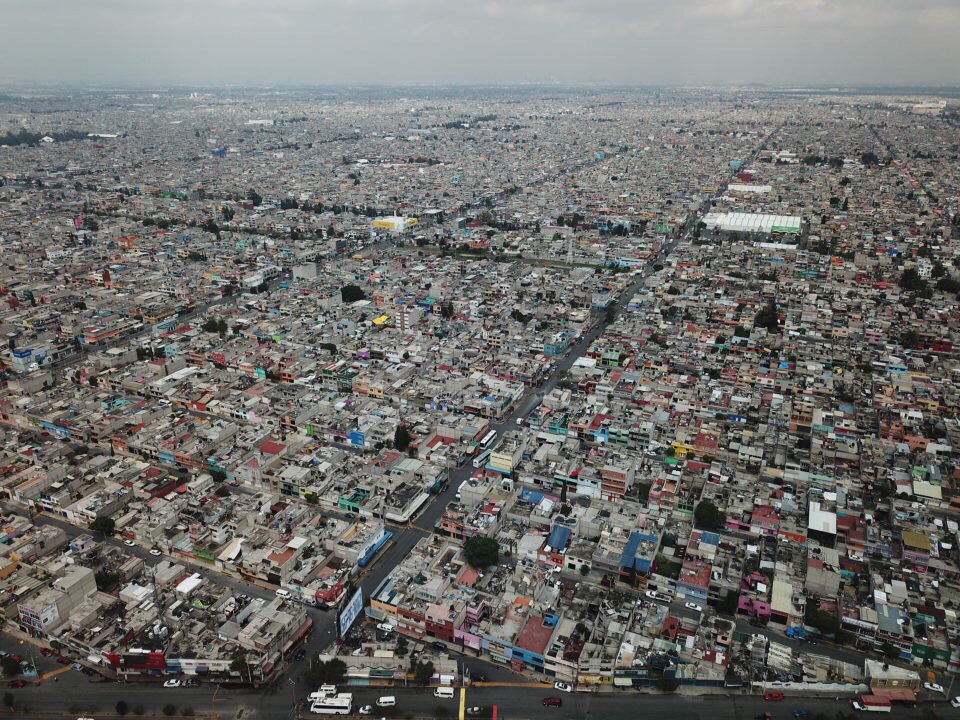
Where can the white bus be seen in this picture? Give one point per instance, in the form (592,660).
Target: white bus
(487,440)
(336,705)
(480,460)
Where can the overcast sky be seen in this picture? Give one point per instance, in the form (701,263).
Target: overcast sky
(159,42)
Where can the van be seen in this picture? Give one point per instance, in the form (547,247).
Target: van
(387,701)
(281,593)
(325,691)
(444,692)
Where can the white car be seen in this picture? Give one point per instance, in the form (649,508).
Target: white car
(933,687)
(563,687)
(365,710)
(172,683)
(693,606)
(759,636)
(956,701)
(129,543)
(156,553)
(283,593)
(385,627)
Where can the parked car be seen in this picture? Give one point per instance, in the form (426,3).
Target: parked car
(956,701)
(773,696)
(17,683)
(174,683)
(552,702)
(933,687)
(801,714)
(563,687)
(693,606)
(77,666)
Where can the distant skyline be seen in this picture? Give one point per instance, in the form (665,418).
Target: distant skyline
(211,42)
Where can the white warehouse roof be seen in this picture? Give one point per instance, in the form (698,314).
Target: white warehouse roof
(752,222)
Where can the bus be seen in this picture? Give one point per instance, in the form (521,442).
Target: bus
(337,705)
(480,460)
(487,441)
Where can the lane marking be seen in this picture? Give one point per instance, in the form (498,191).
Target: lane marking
(54,673)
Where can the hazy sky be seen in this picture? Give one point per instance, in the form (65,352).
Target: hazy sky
(154,42)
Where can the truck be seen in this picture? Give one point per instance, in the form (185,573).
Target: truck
(802,632)
(872,703)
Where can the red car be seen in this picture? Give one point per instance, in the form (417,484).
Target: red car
(46,652)
(773,696)
(63,660)
(17,683)
(552,702)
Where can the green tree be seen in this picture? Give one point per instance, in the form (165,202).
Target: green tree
(668,684)
(481,551)
(910,280)
(352,293)
(423,672)
(890,651)
(8,700)
(169,709)
(239,665)
(730,602)
(401,438)
(768,317)
(909,338)
(106,579)
(105,525)
(121,707)
(825,622)
(708,516)
(329,672)
(9,666)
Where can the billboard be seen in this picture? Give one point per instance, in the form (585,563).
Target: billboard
(351,611)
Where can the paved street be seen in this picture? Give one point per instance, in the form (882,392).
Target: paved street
(515,696)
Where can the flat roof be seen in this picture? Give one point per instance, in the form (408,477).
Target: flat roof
(752,222)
